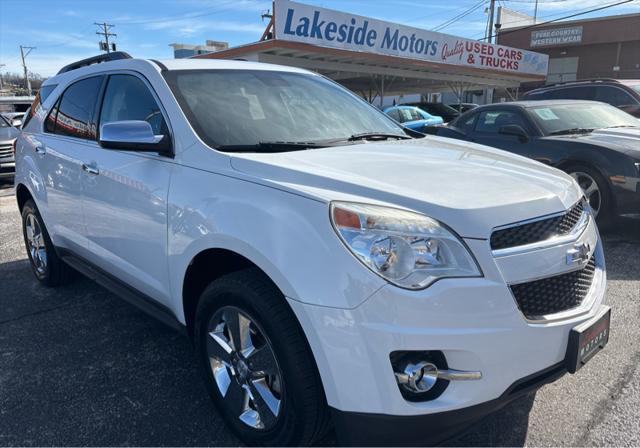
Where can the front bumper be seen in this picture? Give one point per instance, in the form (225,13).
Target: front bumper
(474,322)
(362,429)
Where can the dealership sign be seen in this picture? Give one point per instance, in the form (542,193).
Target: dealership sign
(558,36)
(328,28)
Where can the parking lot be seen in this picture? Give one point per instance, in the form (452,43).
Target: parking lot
(78,366)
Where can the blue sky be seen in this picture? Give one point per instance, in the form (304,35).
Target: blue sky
(63,30)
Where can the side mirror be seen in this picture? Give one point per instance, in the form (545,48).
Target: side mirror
(515,130)
(134,135)
(16,123)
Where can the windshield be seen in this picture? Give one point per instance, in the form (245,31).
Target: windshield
(3,122)
(558,118)
(236,108)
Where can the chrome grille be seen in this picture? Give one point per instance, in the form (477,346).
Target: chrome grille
(6,151)
(554,294)
(536,231)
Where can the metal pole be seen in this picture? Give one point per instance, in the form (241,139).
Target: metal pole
(535,13)
(1,65)
(105,26)
(24,67)
(492,8)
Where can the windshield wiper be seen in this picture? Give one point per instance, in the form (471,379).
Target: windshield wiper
(572,131)
(273,146)
(376,136)
(621,126)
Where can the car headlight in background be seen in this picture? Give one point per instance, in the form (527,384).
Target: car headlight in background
(406,248)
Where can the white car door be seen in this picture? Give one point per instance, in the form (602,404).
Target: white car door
(126,192)
(59,152)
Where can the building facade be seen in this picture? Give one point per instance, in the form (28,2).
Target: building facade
(604,47)
(188,50)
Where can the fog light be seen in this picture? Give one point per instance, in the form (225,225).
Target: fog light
(420,377)
(423,376)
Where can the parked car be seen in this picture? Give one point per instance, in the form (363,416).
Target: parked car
(331,270)
(438,109)
(413,117)
(621,93)
(8,136)
(597,144)
(463,107)
(14,118)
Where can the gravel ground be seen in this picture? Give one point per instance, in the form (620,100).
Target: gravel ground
(78,366)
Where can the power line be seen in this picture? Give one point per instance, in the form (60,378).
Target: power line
(456,18)
(559,18)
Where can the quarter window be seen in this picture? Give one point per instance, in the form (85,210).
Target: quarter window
(73,114)
(128,98)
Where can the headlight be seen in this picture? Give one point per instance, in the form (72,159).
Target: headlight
(408,249)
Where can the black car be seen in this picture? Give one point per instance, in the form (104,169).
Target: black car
(597,144)
(463,107)
(7,161)
(438,109)
(621,93)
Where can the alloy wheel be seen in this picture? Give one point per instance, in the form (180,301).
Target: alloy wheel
(590,189)
(245,368)
(35,241)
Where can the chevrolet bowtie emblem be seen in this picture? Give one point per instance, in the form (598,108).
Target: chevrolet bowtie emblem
(579,254)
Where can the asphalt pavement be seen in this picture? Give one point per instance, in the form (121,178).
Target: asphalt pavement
(78,366)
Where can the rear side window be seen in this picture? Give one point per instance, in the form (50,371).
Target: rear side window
(73,114)
(128,98)
(465,123)
(614,96)
(492,120)
(575,93)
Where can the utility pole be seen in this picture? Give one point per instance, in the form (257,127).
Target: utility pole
(1,65)
(24,66)
(105,32)
(492,8)
(535,13)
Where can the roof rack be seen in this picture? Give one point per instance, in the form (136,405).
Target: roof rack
(579,81)
(114,56)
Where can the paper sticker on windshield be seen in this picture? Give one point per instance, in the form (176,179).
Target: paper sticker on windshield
(546,114)
(255,108)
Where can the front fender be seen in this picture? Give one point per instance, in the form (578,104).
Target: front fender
(286,235)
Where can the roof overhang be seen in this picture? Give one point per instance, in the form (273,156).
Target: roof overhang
(356,69)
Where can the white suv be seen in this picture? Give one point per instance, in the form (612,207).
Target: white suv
(331,269)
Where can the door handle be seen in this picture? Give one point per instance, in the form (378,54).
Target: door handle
(90,169)
(41,150)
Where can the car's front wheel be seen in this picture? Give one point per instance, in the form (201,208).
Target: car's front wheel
(48,268)
(259,368)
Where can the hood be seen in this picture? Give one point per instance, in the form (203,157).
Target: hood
(8,133)
(469,187)
(625,140)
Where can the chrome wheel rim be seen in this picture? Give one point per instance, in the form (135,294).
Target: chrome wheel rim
(244,368)
(590,189)
(35,243)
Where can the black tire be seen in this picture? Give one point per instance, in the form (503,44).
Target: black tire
(605,216)
(55,272)
(304,415)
